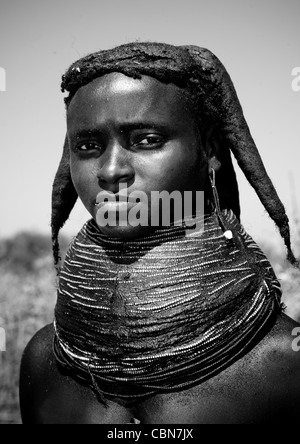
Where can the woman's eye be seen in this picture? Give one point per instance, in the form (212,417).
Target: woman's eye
(87,147)
(151,141)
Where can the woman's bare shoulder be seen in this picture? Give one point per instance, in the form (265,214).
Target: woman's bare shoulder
(277,358)
(278,347)
(48,396)
(283,337)
(36,359)
(38,353)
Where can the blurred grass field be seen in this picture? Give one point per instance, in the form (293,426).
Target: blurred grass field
(27,299)
(27,303)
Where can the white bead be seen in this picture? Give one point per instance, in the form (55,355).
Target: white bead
(228,234)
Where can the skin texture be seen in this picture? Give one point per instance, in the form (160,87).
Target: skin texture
(164,152)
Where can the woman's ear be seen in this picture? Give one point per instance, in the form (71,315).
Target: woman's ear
(212,146)
(214,163)
(219,159)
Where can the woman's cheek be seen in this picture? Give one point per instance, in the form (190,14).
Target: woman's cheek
(178,173)
(84,184)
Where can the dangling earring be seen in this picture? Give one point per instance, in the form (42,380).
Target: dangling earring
(226,232)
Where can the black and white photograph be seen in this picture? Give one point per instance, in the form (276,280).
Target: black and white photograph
(150,222)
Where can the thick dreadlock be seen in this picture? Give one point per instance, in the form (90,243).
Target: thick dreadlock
(205,80)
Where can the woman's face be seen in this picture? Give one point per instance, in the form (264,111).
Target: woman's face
(136,132)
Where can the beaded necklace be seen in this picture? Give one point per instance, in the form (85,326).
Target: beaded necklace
(162,313)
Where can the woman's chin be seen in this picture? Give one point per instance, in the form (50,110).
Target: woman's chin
(126,232)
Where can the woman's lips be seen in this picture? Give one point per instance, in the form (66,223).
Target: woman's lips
(113,210)
(117,203)
(104,198)
(118,206)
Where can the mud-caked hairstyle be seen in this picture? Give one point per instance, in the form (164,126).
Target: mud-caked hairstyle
(208,87)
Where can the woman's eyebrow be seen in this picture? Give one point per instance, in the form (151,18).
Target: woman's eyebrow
(130,126)
(123,127)
(85,133)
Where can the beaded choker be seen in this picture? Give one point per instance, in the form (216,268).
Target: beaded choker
(162,313)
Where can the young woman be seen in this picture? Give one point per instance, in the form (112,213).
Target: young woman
(163,324)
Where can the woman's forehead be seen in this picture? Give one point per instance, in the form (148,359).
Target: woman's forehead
(116,96)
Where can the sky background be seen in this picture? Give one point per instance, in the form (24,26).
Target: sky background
(257,41)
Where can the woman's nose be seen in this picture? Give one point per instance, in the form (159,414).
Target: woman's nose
(115,165)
